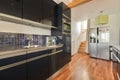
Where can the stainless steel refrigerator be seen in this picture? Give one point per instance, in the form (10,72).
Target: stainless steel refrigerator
(99,42)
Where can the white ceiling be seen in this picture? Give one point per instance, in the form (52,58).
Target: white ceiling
(93,8)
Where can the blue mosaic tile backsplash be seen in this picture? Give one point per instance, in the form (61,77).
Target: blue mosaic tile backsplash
(9,41)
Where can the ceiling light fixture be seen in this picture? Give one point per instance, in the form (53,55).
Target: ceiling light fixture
(101,19)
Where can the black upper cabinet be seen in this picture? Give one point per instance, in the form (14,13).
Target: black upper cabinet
(40,11)
(32,10)
(11,7)
(36,10)
(48,12)
(62,18)
(66,10)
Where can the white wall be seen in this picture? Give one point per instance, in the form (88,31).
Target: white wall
(91,9)
(75,31)
(19,28)
(78,34)
(114,24)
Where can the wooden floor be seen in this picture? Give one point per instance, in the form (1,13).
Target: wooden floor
(82,67)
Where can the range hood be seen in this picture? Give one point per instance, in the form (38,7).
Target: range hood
(9,18)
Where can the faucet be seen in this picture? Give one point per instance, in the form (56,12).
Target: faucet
(30,42)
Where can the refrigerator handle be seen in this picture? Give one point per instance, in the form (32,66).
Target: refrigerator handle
(97,35)
(97,41)
(97,31)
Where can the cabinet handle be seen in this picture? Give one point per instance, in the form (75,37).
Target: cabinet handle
(27,60)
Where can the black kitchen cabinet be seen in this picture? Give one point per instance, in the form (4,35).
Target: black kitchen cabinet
(32,10)
(14,73)
(17,72)
(63,18)
(11,7)
(48,12)
(38,69)
(66,10)
(55,62)
(67,43)
(40,11)
(64,57)
(52,66)
(60,63)
(67,47)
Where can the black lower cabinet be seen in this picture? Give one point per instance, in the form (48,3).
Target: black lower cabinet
(52,66)
(60,60)
(8,71)
(14,73)
(38,69)
(57,61)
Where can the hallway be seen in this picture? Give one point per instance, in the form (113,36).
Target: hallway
(82,67)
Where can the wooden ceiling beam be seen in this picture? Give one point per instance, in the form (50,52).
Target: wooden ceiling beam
(75,3)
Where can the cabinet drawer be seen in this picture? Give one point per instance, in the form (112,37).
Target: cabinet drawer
(14,73)
(7,61)
(35,54)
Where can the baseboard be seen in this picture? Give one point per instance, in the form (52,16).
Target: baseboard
(73,54)
(100,58)
(58,72)
(87,53)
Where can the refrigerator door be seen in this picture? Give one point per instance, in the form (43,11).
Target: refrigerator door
(103,43)
(103,51)
(92,42)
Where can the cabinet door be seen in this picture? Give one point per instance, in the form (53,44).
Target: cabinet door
(59,60)
(38,69)
(67,43)
(48,12)
(56,62)
(32,10)
(52,64)
(13,72)
(66,10)
(11,7)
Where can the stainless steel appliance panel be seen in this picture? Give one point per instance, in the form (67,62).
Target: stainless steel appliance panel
(93,50)
(103,51)
(92,42)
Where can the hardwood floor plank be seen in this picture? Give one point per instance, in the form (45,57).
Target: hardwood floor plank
(82,67)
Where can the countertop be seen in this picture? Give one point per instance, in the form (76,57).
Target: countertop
(117,47)
(12,53)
